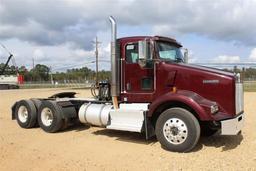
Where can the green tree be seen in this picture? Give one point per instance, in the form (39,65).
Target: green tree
(40,73)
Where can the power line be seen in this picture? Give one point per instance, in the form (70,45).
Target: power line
(70,66)
(241,64)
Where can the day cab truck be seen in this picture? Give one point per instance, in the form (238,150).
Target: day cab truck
(152,91)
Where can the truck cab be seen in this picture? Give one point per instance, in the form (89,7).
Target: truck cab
(153,68)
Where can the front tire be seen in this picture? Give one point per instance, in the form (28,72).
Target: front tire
(177,130)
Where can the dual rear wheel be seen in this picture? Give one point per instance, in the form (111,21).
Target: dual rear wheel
(46,114)
(50,117)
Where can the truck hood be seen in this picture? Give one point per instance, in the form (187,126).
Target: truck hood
(212,84)
(208,69)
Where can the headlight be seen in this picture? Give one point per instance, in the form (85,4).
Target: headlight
(214,109)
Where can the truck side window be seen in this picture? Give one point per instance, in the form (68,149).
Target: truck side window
(132,52)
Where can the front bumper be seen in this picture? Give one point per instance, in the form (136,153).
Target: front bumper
(232,126)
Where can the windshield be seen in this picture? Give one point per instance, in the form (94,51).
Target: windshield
(169,52)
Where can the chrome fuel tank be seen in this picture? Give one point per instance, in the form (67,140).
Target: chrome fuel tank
(95,114)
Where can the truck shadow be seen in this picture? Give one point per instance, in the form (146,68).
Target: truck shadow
(126,136)
(77,127)
(219,141)
(225,142)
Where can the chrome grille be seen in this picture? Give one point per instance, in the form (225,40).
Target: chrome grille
(239,98)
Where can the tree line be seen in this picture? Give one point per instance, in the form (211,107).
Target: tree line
(43,73)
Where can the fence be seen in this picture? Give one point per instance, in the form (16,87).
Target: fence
(57,84)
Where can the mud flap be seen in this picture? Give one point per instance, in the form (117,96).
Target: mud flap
(148,127)
(13,110)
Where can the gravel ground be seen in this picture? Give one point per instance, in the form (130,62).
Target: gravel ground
(91,148)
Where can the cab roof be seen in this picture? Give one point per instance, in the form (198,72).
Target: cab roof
(157,38)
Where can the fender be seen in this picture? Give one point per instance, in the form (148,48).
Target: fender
(67,109)
(63,95)
(199,104)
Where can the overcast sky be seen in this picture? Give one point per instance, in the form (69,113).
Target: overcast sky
(59,33)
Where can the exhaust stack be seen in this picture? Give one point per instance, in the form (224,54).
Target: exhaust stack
(114,64)
(186,56)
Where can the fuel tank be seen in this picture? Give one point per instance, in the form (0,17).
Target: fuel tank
(95,114)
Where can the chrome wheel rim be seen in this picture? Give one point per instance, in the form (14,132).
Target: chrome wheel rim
(175,131)
(47,116)
(23,114)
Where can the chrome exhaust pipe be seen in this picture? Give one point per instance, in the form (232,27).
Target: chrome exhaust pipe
(114,63)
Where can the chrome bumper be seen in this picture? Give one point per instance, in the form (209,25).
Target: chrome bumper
(239,98)
(232,126)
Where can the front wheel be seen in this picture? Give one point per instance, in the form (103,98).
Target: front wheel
(177,130)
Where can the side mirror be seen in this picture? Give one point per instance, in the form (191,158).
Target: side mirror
(143,51)
(185,55)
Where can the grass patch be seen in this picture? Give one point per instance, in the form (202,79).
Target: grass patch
(250,86)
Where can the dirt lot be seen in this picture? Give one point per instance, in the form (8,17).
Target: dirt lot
(91,148)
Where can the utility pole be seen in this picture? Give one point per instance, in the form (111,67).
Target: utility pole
(33,62)
(96,42)
(51,75)
(33,68)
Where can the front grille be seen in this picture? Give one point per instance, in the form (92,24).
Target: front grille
(239,98)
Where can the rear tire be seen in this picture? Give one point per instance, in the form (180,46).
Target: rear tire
(26,114)
(37,104)
(50,116)
(177,130)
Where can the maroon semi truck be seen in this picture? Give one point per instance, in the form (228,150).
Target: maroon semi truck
(152,91)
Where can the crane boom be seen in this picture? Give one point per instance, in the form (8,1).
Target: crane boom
(6,64)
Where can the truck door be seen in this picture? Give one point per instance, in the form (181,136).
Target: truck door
(138,80)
